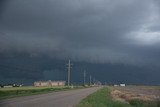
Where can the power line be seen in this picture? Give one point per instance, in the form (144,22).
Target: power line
(15,67)
(30,74)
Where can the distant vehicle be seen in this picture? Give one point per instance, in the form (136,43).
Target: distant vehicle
(10,85)
(17,85)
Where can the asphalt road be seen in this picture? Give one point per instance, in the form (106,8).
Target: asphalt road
(55,99)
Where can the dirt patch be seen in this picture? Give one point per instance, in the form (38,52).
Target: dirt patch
(127,94)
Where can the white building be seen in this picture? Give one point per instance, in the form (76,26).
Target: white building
(115,85)
(122,85)
(49,83)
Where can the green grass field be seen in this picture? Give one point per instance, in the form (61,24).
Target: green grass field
(28,90)
(102,98)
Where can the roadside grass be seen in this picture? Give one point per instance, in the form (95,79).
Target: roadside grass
(30,90)
(102,98)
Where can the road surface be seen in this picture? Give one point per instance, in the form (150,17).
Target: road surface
(55,99)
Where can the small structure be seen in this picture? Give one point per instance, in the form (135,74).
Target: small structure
(122,85)
(115,85)
(7,86)
(49,83)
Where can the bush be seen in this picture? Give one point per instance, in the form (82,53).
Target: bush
(136,103)
(141,103)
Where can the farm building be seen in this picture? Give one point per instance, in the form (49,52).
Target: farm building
(122,85)
(49,83)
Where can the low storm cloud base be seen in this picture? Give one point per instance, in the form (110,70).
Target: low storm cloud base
(114,40)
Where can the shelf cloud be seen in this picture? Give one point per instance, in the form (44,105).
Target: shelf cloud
(101,31)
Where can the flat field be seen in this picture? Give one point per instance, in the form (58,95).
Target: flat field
(141,96)
(25,88)
(145,93)
(28,90)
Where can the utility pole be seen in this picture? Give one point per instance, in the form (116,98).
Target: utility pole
(69,71)
(84,77)
(90,80)
(94,81)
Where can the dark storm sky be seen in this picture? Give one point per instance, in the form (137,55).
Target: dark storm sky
(97,31)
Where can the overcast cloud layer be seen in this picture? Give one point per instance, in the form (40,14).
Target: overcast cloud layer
(112,31)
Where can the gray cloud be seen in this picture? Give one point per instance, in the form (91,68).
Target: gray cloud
(87,30)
